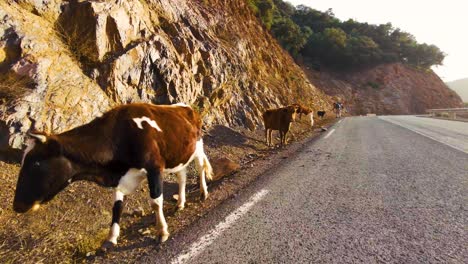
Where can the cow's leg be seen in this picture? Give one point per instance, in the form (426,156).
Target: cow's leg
(286,132)
(281,138)
(266,136)
(199,164)
(269,137)
(181,179)
(155,184)
(115,228)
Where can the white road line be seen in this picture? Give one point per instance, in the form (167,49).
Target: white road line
(206,240)
(329,133)
(340,121)
(422,134)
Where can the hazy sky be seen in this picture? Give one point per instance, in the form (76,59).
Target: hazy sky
(442,23)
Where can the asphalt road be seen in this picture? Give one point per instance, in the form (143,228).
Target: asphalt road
(367,191)
(452,133)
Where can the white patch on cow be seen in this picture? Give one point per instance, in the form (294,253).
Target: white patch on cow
(115,229)
(139,121)
(160,220)
(197,153)
(30,143)
(131,181)
(203,166)
(114,233)
(180,104)
(118,196)
(200,164)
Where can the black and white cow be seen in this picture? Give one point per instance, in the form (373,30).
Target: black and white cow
(119,149)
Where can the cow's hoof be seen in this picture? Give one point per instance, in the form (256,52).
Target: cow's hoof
(106,247)
(164,237)
(179,208)
(204,196)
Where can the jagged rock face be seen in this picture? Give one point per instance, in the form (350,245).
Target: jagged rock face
(83,57)
(387,89)
(47,85)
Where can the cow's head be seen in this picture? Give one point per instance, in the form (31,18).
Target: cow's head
(44,172)
(292,111)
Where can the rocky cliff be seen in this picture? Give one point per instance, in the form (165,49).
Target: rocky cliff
(62,63)
(386,89)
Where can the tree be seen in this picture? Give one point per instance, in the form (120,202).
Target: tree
(290,36)
(335,37)
(265,9)
(321,37)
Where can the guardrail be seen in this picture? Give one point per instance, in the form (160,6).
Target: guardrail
(449,113)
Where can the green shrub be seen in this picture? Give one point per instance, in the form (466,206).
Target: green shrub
(373,84)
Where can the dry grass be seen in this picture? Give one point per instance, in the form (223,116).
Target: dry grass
(80,44)
(13,87)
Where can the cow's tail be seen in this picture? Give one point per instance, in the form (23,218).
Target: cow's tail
(207,168)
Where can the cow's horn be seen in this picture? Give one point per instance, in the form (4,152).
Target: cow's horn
(41,137)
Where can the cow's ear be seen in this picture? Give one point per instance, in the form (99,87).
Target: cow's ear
(39,136)
(54,145)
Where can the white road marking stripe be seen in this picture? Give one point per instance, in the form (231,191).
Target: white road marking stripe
(197,247)
(329,133)
(340,121)
(422,134)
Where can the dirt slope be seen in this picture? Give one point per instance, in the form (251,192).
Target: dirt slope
(386,89)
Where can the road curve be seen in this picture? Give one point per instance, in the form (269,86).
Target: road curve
(452,133)
(370,192)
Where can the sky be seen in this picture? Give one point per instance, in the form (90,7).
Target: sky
(442,23)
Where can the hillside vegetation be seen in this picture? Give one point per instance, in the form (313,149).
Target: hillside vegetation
(323,39)
(371,68)
(460,87)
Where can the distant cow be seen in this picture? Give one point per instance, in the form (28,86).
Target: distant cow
(120,149)
(303,110)
(278,119)
(321,114)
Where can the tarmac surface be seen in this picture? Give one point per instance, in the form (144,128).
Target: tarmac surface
(390,189)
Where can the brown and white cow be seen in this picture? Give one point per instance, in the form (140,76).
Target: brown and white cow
(303,110)
(278,119)
(119,149)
